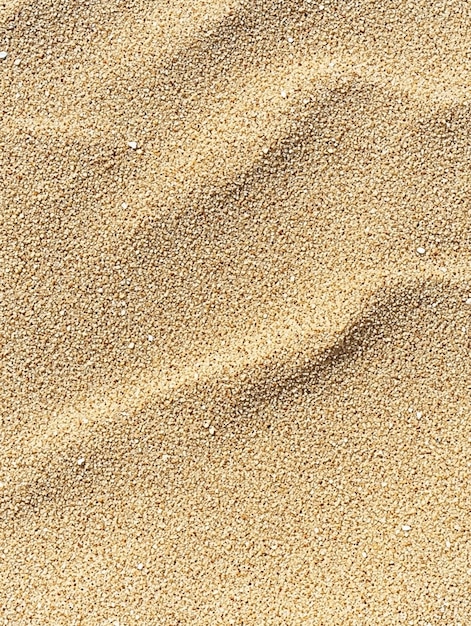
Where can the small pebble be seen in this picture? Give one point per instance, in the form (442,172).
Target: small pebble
(420,250)
(140,566)
(131,345)
(17,61)
(206,424)
(150,337)
(406,528)
(290,40)
(283,93)
(265,150)
(419,414)
(212,430)
(3,55)
(124,205)
(81,461)
(132,145)
(468,300)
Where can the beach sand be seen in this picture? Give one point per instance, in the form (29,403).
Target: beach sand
(235,312)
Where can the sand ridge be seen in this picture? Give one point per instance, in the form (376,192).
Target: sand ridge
(235,309)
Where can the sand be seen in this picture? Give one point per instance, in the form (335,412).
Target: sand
(235,312)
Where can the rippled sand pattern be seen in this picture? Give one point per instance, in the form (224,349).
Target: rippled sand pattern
(235,309)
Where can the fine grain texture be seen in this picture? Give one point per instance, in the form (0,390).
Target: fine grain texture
(235,309)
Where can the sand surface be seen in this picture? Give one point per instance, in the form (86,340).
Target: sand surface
(235,312)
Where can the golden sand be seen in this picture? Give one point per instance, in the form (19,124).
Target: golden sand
(235,312)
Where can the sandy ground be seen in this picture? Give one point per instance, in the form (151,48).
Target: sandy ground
(235,312)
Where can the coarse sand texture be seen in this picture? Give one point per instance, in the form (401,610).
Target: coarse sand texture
(235,312)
